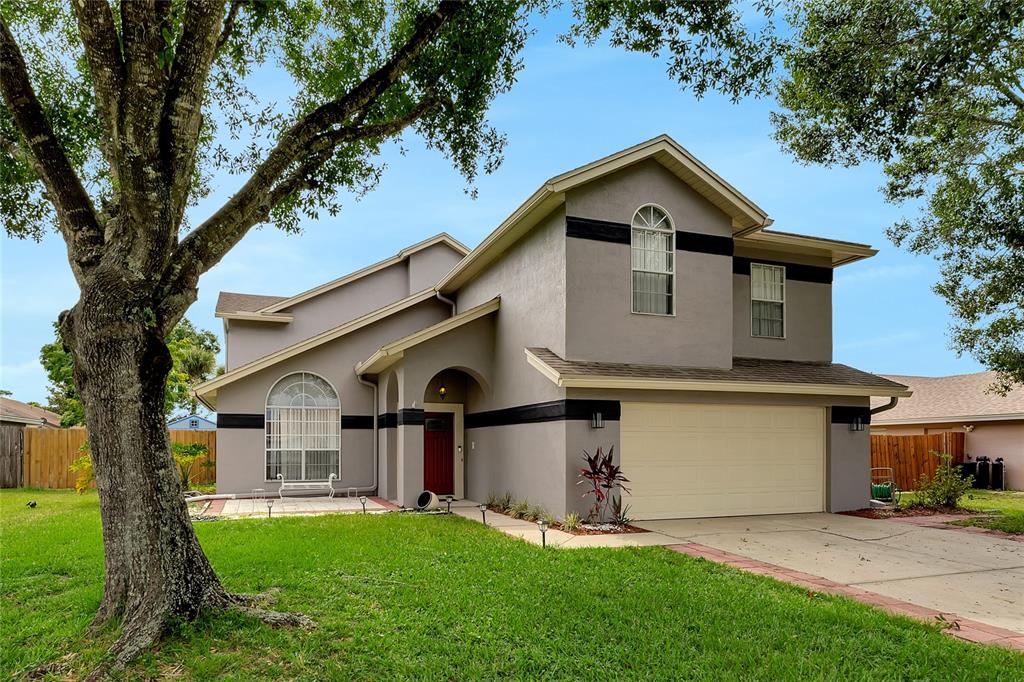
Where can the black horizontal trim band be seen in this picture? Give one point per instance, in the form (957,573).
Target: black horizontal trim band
(597,230)
(357,421)
(555,410)
(619,233)
(846,414)
(410,416)
(704,243)
(795,271)
(388,420)
(228,420)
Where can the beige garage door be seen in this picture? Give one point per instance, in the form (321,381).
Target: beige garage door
(722,460)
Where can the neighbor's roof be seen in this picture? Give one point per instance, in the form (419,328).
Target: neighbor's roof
(747,375)
(23,413)
(260,308)
(748,219)
(961,397)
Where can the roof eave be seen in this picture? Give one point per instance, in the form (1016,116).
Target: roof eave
(944,420)
(255,317)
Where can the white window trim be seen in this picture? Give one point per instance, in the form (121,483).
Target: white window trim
(675,259)
(785,321)
(266,400)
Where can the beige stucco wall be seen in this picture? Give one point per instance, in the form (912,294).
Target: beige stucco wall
(992,439)
(427,266)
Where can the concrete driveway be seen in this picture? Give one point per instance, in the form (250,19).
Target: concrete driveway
(976,576)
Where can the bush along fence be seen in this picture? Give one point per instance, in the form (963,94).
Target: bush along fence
(910,456)
(49,453)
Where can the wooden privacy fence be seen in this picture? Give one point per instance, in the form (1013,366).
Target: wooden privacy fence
(910,456)
(10,455)
(49,452)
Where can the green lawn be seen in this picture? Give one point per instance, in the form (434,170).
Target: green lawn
(1005,508)
(433,597)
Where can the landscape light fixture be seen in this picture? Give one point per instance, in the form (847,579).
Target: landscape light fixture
(483,512)
(270,504)
(543,533)
(448,499)
(362,501)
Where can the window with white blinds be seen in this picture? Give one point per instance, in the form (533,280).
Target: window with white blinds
(767,300)
(303,429)
(654,251)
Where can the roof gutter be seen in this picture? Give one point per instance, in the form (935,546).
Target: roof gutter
(888,406)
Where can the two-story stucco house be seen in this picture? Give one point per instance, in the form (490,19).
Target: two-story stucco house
(637,302)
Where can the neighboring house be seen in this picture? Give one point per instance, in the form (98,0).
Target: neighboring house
(17,412)
(192,422)
(993,424)
(637,302)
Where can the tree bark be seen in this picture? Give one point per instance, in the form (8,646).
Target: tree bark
(155,570)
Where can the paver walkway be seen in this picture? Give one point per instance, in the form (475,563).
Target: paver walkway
(295,506)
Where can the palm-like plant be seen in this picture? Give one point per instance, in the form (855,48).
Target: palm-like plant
(603,476)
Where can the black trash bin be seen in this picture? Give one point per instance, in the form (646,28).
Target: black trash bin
(996,471)
(981,478)
(968,469)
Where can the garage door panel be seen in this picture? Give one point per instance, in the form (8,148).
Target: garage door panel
(718,460)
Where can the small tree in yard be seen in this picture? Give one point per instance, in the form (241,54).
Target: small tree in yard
(114,117)
(945,488)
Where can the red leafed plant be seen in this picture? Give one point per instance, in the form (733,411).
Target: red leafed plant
(603,476)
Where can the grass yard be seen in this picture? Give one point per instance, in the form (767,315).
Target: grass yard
(1005,509)
(407,597)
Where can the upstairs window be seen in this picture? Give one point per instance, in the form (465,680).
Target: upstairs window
(654,252)
(767,301)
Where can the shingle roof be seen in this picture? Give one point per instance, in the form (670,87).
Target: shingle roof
(743,370)
(16,408)
(953,397)
(229,302)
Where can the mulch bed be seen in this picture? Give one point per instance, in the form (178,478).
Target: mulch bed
(614,530)
(909,511)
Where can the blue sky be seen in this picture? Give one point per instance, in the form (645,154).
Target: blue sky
(571,106)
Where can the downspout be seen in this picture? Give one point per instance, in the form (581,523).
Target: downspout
(883,408)
(444,299)
(376,457)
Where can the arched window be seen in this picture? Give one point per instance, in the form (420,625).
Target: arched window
(303,428)
(654,254)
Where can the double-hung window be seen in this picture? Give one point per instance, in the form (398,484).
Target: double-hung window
(767,301)
(654,251)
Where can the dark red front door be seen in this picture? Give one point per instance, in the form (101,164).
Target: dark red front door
(439,452)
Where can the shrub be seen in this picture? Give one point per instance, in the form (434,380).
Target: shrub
(505,501)
(571,522)
(535,513)
(620,514)
(548,518)
(945,488)
(185,456)
(604,476)
(492,501)
(82,467)
(518,510)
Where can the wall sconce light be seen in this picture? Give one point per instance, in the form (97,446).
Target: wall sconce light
(597,421)
(442,392)
(362,501)
(857,424)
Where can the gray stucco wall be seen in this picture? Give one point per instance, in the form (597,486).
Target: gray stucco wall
(530,279)
(248,341)
(240,452)
(600,324)
(808,315)
(849,468)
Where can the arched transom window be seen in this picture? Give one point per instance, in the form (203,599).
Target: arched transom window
(303,428)
(654,253)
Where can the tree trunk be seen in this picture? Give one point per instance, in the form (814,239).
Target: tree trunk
(155,570)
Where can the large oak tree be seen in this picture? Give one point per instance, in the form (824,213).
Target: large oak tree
(116,114)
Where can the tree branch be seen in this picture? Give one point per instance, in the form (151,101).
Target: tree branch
(76,215)
(183,115)
(229,22)
(103,53)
